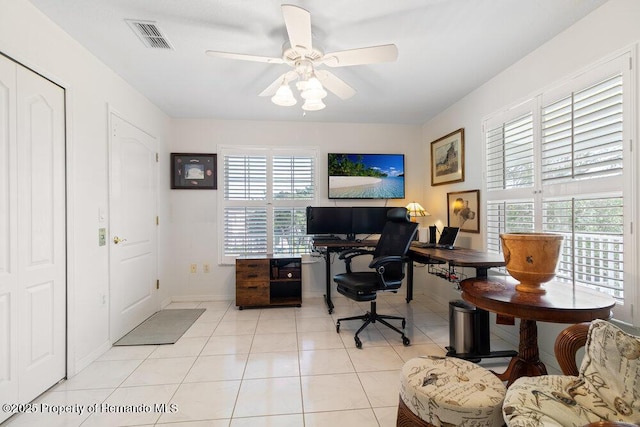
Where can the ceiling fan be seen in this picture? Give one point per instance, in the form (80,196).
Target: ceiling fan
(305,59)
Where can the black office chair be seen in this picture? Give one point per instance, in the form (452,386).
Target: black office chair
(389,258)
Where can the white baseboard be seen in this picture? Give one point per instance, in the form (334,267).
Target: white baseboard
(82,363)
(198,298)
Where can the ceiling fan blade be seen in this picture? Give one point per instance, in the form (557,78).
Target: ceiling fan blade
(364,55)
(244,57)
(287,77)
(336,85)
(298,23)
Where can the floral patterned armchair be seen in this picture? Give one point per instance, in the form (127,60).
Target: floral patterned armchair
(606,388)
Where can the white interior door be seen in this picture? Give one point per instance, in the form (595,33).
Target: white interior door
(32,234)
(133,226)
(8,238)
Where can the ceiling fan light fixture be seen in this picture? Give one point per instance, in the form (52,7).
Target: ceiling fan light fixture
(313,90)
(284,96)
(313,105)
(301,85)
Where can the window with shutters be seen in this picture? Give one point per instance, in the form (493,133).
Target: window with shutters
(557,163)
(266,192)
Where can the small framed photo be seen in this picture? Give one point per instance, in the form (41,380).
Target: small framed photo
(464,210)
(193,171)
(447,158)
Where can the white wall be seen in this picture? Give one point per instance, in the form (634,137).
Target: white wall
(32,39)
(193,213)
(609,29)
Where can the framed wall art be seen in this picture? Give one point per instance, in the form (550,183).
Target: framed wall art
(447,158)
(464,210)
(193,171)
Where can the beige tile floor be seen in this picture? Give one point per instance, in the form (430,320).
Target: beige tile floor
(259,367)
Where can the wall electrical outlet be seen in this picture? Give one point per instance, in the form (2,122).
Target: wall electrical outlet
(206,267)
(194,268)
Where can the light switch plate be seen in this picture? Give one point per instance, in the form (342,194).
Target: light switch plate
(102,236)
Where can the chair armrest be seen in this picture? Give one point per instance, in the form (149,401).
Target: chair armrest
(382,260)
(568,342)
(349,254)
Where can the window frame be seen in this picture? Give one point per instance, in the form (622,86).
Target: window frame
(621,62)
(269,203)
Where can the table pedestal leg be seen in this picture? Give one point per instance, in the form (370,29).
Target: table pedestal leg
(527,362)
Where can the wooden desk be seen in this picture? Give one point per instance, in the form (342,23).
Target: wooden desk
(458,257)
(561,304)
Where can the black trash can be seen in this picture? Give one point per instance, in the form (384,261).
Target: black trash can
(462,321)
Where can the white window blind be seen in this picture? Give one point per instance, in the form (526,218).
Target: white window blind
(290,231)
(592,250)
(265,196)
(510,154)
(558,162)
(245,177)
(582,133)
(508,217)
(293,178)
(245,230)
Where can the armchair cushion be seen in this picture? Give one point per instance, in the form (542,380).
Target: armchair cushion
(607,387)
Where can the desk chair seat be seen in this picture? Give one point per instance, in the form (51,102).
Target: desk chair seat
(386,274)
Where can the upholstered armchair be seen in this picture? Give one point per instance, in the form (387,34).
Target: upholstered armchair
(605,390)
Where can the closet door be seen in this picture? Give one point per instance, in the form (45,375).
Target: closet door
(32,234)
(8,237)
(41,233)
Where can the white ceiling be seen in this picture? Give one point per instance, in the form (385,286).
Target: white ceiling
(447,48)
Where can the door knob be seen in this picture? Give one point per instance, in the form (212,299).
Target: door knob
(117,240)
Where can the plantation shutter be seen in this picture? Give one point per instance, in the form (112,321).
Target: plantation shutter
(293,178)
(245,227)
(293,189)
(245,177)
(265,197)
(582,133)
(583,177)
(592,250)
(510,154)
(507,217)
(245,230)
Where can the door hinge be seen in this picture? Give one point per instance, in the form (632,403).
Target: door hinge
(157,157)
(158,284)
(157,220)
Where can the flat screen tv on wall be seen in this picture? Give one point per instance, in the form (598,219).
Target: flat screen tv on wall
(366,176)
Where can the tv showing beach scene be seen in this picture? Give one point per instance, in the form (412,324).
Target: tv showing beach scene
(366,176)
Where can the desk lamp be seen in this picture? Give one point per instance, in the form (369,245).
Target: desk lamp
(415,210)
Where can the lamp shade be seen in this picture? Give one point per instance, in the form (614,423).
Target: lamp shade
(284,96)
(313,90)
(313,105)
(415,209)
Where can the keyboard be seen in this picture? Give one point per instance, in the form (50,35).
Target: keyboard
(431,245)
(327,238)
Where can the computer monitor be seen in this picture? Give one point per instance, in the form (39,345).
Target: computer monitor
(368,220)
(328,220)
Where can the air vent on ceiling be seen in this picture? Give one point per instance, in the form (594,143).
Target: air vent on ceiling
(150,34)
